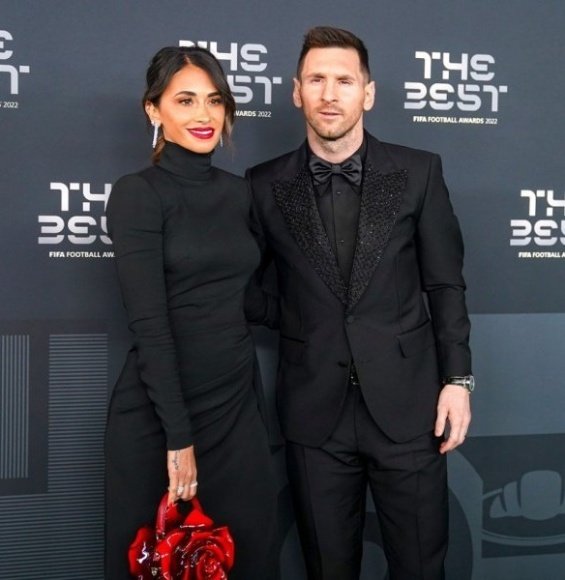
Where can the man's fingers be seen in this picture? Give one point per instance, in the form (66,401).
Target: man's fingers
(453,408)
(457,433)
(439,429)
(451,443)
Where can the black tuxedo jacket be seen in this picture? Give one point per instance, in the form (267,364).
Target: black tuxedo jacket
(409,247)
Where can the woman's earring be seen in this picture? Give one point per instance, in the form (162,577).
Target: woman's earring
(221,140)
(155,133)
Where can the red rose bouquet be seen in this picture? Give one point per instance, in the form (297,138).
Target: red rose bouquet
(181,548)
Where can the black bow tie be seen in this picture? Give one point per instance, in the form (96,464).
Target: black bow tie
(351,169)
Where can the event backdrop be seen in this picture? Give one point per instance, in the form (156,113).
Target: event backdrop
(479,82)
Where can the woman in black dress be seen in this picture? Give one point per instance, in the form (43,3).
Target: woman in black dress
(185,401)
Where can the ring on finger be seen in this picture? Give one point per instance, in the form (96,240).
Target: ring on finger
(193,484)
(180,489)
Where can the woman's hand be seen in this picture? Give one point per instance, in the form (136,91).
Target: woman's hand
(181,466)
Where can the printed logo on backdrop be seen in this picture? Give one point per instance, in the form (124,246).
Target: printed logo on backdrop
(455,88)
(247,74)
(10,73)
(540,231)
(76,228)
(523,501)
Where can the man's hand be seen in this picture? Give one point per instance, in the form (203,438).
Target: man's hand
(454,406)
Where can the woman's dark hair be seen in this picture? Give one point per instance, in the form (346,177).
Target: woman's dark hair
(169,61)
(330,37)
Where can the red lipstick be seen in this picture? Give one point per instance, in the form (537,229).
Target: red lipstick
(202,132)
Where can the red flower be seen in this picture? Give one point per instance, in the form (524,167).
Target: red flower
(140,553)
(165,554)
(191,550)
(206,555)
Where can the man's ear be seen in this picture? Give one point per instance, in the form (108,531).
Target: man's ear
(370,90)
(296,94)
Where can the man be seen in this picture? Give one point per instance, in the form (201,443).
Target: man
(360,232)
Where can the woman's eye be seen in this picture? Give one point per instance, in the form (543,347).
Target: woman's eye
(217,101)
(186,102)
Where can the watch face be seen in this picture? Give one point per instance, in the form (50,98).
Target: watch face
(471,383)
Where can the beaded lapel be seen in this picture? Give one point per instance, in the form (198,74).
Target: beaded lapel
(381,195)
(297,203)
(380,201)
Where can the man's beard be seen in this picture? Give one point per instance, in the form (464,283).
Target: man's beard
(332,134)
(329,134)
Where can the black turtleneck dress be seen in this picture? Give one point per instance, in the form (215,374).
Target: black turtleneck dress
(185,253)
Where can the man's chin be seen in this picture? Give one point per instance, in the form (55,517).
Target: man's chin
(329,135)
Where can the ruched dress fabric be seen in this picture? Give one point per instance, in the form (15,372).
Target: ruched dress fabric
(185,253)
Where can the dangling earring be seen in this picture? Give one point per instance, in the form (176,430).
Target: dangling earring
(155,133)
(221,140)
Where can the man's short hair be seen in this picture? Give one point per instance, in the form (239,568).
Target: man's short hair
(330,37)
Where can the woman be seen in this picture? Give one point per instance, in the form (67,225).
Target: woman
(184,402)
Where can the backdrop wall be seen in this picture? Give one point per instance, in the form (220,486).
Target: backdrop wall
(479,82)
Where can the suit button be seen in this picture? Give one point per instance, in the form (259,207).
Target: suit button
(350,319)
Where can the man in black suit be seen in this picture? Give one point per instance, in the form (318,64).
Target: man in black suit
(374,355)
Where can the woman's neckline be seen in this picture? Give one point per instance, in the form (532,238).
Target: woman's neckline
(188,164)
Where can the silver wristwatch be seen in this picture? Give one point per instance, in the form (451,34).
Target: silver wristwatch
(467,382)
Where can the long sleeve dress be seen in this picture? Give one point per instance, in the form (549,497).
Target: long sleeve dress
(184,253)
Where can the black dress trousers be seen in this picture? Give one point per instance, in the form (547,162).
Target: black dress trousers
(408,482)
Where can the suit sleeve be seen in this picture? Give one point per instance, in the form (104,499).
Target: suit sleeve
(261,300)
(440,247)
(135,222)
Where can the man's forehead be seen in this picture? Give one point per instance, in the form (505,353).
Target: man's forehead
(332,58)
